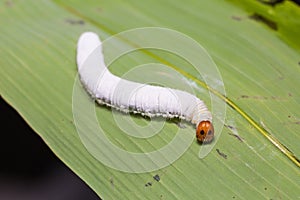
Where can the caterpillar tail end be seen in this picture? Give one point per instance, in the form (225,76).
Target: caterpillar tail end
(87,43)
(205,132)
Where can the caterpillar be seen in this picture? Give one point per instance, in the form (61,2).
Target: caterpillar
(144,99)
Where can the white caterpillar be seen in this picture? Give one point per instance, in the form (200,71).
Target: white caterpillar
(136,97)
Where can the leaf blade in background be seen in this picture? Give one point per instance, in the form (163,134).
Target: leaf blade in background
(259,70)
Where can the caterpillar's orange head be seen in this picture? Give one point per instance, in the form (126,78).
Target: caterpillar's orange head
(205,132)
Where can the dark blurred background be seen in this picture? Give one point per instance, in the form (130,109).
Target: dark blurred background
(274,2)
(29,170)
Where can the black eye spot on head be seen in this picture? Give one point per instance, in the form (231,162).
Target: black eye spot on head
(209,132)
(202,132)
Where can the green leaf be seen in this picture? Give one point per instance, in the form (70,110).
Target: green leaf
(259,69)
